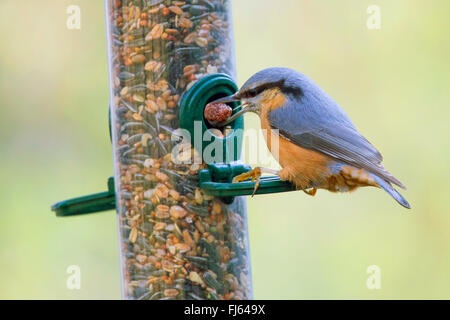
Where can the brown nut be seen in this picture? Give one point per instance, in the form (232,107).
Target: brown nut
(216,113)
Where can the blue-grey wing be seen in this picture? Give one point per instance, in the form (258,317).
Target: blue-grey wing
(318,123)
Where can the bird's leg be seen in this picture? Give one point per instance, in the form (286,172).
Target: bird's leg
(255,175)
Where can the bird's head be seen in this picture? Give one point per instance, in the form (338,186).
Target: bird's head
(261,86)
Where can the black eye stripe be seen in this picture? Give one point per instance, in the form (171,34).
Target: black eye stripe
(255,91)
(250,93)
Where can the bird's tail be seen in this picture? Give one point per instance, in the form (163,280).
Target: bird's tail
(387,186)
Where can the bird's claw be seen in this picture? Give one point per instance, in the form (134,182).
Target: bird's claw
(312,192)
(254,174)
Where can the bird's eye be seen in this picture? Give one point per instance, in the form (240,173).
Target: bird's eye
(252,93)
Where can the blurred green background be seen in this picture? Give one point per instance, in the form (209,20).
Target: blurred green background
(392,82)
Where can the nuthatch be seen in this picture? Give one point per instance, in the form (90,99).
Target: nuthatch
(319,147)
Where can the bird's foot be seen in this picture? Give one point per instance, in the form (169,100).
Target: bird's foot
(254,174)
(312,192)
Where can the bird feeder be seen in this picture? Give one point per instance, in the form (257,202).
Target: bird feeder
(182,223)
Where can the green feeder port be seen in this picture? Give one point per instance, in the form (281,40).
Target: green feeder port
(192,107)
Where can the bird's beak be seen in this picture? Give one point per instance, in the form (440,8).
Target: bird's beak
(232,98)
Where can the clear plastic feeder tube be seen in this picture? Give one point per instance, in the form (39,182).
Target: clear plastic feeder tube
(176,241)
